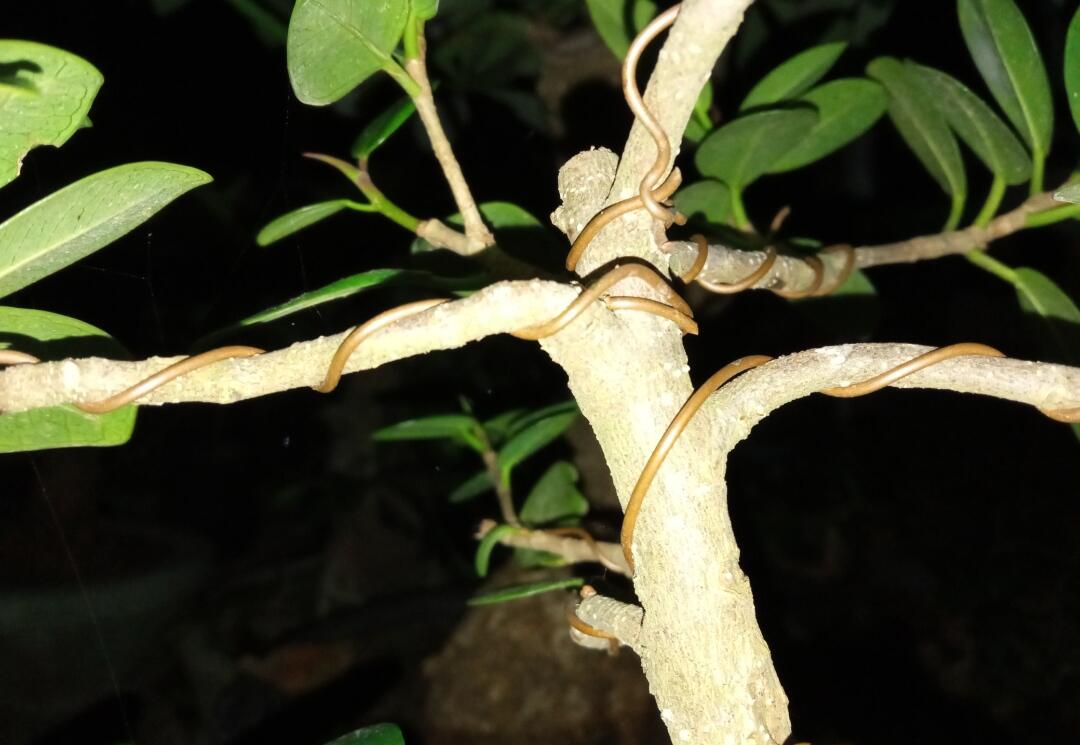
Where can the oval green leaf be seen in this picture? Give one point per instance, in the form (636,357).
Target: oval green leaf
(1040,295)
(334,45)
(525,591)
(471,488)
(457,427)
(617,21)
(45,94)
(59,426)
(1072,67)
(795,76)
(1000,42)
(746,148)
(922,126)
(376,734)
(977,125)
(846,109)
(532,438)
(382,127)
(554,497)
(482,560)
(79,219)
(1069,194)
(708,198)
(303,217)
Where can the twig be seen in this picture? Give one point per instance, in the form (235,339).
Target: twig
(725,265)
(574,550)
(478,234)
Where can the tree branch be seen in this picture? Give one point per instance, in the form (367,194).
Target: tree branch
(748,399)
(500,308)
(573,550)
(726,265)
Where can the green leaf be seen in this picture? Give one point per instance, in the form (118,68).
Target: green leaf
(1069,194)
(487,545)
(795,76)
(334,45)
(45,94)
(59,426)
(530,558)
(846,109)
(376,734)
(1072,67)
(709,198)
(1038,294)
(746,148)
(79,219)
(532,438)
(471,488)
(922,126)
(354,285)
(303,217)
(525,591)
(618,21)
(1000,42)
(554,497)
(528,419)
(457,427)
(498,427)
(382,127)
(977,125)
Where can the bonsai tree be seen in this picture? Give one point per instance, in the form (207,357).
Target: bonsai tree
(615,325)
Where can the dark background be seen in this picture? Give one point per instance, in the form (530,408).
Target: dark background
(913,554)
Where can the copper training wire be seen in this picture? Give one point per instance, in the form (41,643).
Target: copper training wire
(654,175)
(593,293)
(575,622)
(700,260)
(729,289)
(165,375)
(586,536)
(667,441)
(683,321)
(364,331)
(600,220)
(819,275)
(932,357)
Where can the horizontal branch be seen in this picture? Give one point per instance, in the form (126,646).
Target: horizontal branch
(571,549)
(748,399)
(727,265)
(500,308)
(620,620)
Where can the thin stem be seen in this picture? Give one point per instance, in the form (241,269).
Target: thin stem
(1051,216)
(402,78)
(1038,167)
(989,263)
(479,235)
(738,211)
(383,205)
(993,201)
(955,213)
(503,493)
(360,206)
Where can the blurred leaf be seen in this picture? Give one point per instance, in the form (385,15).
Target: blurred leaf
(471,488)
(334,45)
(1072,67)
(270,29)
(618,21)
(922,126)
(59,426)
(487,545)
(1000,42)
(529,418)
(852,312)
(744,149)
(376,734)
(708,198)
(795,76)
(493,50)
(531,439)
(45,94)
(425,10)
(977,125)
(525,591)
(356,284)
(554,496)
(498,427)
(382,127)
(1039,294)
(303,217)
(457,427)
(79,219)
(846,109)
(529,558)
(1069,194)
(857,284)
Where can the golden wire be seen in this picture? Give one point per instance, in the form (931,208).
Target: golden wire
(14,357)
(680,319)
